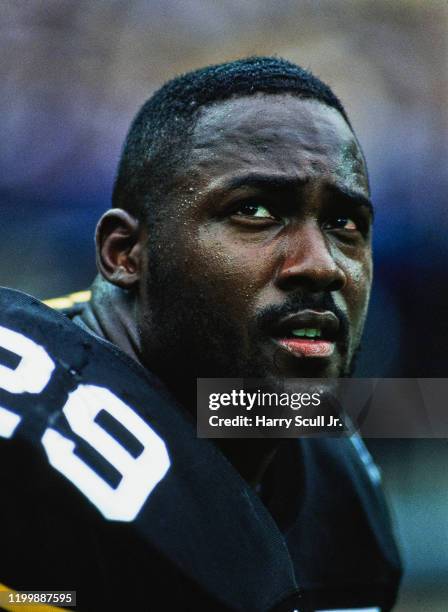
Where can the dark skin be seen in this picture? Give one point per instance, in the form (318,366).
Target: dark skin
(269,213)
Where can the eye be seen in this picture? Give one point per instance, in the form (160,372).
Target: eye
(254,210)
(342,222)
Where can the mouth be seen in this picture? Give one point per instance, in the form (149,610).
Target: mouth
(308,334)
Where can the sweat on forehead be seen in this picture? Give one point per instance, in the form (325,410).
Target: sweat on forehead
(266,133)
(266,114)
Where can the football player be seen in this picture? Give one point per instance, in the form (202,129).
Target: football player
(238,245)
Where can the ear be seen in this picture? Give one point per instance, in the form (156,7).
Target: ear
(119,248)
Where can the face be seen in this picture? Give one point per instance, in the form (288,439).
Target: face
(260,263)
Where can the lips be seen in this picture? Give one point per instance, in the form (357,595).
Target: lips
(307,334)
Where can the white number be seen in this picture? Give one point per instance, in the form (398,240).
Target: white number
(31,375)
(8,422)
(139,476)
(35,367)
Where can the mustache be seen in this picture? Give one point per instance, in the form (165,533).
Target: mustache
(269,316)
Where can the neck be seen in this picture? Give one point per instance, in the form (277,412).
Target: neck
(111,315)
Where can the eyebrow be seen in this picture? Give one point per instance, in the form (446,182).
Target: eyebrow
(355,197)
(272,181)
(263,181)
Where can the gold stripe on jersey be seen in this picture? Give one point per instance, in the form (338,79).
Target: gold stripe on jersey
(20,607)
(67,301)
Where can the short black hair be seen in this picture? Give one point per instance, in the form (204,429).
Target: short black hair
(159,136)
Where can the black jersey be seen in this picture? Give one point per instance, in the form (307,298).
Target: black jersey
(106,490)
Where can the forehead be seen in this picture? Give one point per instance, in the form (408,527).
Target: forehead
(279,133)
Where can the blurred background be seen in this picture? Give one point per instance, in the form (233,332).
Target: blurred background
(75,73)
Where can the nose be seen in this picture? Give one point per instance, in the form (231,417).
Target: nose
(308,261)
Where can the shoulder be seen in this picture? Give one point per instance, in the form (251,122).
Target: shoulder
(79,403)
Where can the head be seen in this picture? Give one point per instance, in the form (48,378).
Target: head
(240,223)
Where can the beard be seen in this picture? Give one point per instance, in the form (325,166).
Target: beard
(192,328)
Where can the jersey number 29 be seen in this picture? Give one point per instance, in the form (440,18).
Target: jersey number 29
(139,475)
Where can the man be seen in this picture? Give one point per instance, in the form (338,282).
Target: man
(239,244)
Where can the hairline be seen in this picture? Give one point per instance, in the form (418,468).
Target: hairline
(201,111)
